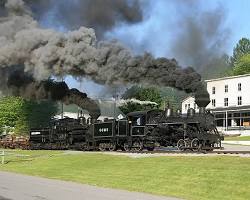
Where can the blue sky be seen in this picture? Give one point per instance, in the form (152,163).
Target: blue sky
(162,14)
(159,28)
(238,20)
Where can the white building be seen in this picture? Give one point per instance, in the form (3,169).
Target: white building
(108,109)
(230,102)
(187,103)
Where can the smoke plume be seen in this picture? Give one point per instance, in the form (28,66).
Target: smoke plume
(200,36)
(101,15)
(42,53)
(21,84)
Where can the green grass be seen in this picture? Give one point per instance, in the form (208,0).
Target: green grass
(196,178)
(242,138)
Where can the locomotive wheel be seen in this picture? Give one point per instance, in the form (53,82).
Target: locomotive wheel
(126,146)
(137,146)
(85,147)
(112,147)
(195,144)
(181,144)
(102,147)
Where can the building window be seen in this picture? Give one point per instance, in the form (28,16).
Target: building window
(226,88)
(213,90)
(186,106)
(225,101)
(213,103)
(239,86)
(239,101)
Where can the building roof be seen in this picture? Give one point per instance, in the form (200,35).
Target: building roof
(187,98)
(230,108)
(228,77)
(107,109)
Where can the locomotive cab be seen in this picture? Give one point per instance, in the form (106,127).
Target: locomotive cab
(137,122)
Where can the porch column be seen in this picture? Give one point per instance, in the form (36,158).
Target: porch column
(226,124)
(240,120)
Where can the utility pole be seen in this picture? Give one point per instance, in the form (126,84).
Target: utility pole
(62,108)
(80,114)
(115,99)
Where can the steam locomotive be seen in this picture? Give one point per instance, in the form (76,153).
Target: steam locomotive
(138,131)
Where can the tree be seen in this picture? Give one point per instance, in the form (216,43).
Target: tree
(40,113)
(131,92)
(20,115)
(242,48)
(11,112)
(173,96)
(219,66)
(143,94)
(131,107)
(242,66)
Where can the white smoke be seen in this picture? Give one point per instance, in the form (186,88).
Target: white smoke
(136,101)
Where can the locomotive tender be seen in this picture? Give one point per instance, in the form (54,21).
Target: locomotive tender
(138,131)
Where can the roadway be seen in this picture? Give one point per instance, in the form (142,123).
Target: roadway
(22,187)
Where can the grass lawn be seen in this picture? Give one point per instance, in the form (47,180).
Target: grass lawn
(242,138)
(219,177)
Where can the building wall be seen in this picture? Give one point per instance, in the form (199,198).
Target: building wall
(75,116)
(233,92)
(233,118)
(187,103)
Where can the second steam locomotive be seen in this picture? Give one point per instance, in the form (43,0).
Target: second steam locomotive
(138,131)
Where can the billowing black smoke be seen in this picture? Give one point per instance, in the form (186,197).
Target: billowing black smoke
(21,84)
(201,36)
(44,53)
(101,15)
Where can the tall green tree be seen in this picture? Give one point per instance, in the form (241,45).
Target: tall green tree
(12,113)
(21,115)
(242,48)
(242,66)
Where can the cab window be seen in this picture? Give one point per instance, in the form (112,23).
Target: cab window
(138,121)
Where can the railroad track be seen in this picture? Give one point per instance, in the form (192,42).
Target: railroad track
(186,152)
(231,152)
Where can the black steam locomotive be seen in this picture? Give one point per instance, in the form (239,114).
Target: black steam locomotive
(138,131)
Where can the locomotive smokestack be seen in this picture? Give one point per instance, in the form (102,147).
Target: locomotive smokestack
(191,112)
(202,98)
(169,112)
